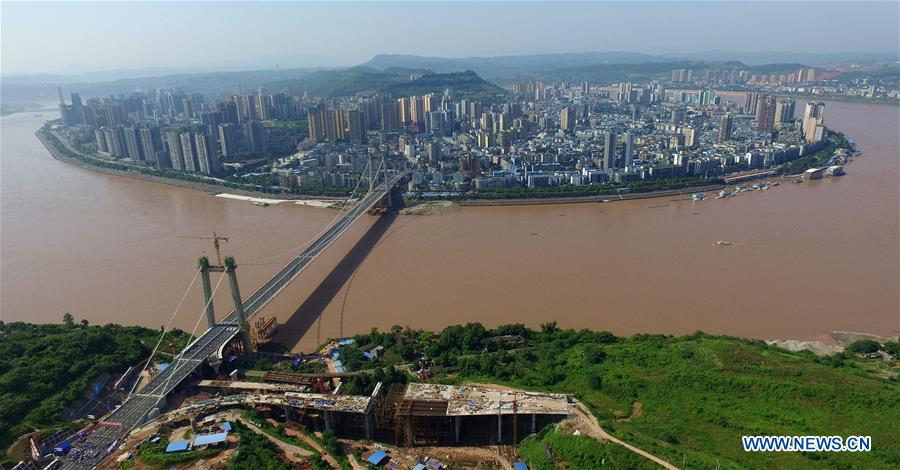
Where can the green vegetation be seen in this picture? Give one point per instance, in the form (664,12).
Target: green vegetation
(278,432)
(697,394)
(820,158)
(283,136)
(869,346)
(570,451)
(608,189)
(328,441)
(461,84)
(255,452)
(44,368)
(154,454)
(348,82)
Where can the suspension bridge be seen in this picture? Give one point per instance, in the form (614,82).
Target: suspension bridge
(144,404)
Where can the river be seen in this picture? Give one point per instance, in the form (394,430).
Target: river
(806,259)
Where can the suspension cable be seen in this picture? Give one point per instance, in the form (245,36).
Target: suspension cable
(178,359)
(165,330)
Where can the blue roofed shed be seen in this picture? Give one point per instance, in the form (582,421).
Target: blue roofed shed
(520,466)
(419,466)
(226,426)
(178,446)
(378,457)
(210,439)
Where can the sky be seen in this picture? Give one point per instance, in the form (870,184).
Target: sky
(76,37)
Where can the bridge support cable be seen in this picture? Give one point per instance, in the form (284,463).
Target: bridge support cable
(276,258)
(163,335)
(179,359)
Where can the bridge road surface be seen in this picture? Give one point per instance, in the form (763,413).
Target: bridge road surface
(89,451)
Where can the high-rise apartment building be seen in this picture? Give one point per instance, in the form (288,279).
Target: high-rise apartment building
(609,150)
(726,127)
(567,119)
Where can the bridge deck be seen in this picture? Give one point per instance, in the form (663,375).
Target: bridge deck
(133,411)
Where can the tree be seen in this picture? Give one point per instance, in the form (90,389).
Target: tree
(68,320)
(864,346)
(549,327)
(84,323)
(892,347)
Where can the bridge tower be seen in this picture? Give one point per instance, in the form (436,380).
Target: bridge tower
(231,270)
(207,291)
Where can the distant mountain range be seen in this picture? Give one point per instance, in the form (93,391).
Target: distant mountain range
(391,72)
(510,62)
(595,67)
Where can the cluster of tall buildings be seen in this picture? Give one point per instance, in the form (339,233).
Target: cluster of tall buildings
(736,76)
(771,112)
(171,129)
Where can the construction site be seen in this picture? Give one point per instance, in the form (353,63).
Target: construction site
(405,415)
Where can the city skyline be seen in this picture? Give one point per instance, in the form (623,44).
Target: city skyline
(37,37)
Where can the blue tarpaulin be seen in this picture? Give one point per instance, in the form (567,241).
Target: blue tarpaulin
(207,439)
(226,426)
(177,446)
(520,466)
(378,458)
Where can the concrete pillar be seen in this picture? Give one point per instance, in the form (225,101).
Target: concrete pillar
(457,424)
(533,424)
(368,417)
(499,427)
(287,414)
(207,298)
(238,305)
(194,425)
(328,418)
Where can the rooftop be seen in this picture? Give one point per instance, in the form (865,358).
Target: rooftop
(207,439)
(269,387)
(463,400)
(318,401)
(178,446)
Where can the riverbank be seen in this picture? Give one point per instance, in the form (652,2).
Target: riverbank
(844,98)
(195,185)
(598,198)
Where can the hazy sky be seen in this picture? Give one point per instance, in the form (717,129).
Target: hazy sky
(75,37)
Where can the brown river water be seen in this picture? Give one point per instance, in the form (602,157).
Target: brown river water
(806,259)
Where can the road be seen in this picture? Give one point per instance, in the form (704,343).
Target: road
(597,432)
(132,412)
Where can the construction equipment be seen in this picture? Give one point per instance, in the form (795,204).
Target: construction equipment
(215,238)
(261,331)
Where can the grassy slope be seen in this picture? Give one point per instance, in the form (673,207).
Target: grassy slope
(576,452)
(699,394)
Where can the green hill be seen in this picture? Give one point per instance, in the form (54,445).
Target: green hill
(397,82)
